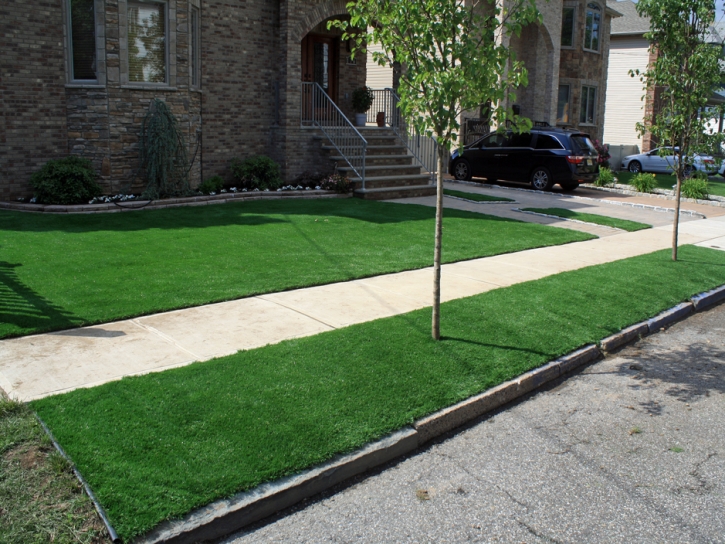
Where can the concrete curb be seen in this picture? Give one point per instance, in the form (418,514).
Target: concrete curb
(668,317)
(226,516)
(625,336)
(707,299)
(663,194)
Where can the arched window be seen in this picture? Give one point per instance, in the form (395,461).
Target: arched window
(592,32)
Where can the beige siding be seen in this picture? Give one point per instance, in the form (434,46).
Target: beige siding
(624,107)
(379,77)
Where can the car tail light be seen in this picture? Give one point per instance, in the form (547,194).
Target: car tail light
(708,161)
(576,159)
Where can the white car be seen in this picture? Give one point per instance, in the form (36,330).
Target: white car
(662,161)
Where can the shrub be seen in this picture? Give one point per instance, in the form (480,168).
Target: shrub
(70,180)
(362,99)
(337,183)
(604,156)
(311,179)
(258,172)
(213,184)
(696,187)
(605,179)
(163,153)
(644,183)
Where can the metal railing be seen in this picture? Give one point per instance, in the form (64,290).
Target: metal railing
(319,111)
(423,148)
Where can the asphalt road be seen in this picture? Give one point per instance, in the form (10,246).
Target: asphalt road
(631,449)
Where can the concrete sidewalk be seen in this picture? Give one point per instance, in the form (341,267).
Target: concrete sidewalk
(36,366)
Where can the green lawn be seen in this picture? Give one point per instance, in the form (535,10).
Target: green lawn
(157,446)
(476,197)
(666,181)
(623,224)
(62,271)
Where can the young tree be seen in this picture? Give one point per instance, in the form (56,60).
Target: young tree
(685,73)
(456,58)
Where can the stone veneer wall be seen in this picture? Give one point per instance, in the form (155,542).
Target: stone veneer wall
(579,67)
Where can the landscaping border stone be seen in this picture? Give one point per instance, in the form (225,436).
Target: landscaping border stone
(665,194)
(707,299)
(625,336)
(137,205)
(226,516)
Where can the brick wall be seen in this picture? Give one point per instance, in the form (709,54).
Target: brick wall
(32,96)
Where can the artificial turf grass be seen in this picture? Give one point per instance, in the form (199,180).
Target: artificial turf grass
(623,224)
(157,446)
(476,197)
(64,271)
(667,181)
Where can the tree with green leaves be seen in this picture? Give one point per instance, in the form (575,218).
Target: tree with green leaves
(685,72)
(455,58)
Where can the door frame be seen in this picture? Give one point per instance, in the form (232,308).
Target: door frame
(308,61)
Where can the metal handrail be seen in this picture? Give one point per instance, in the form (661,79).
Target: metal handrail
(320,111)
(423,148)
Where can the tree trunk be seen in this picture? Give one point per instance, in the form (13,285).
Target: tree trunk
(676,224)
(436,326)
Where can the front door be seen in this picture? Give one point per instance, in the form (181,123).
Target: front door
(319,62)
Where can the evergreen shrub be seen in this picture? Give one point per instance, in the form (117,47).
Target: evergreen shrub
(70,180)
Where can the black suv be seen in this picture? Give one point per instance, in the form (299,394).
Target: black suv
(542,157)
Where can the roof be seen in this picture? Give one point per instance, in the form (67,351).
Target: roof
(630,23)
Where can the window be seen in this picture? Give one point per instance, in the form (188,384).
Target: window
(195,51)
(82,31)
(588,111)
(591,33)
(147,42)
(562,107)
(519,140)
(544,141)
(496,139)
(567,27)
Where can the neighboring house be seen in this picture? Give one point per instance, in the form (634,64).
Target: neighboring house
(77,76)
(627,102)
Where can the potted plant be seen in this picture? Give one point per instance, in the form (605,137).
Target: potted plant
(362,99)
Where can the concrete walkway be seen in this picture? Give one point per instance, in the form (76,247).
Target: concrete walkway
(36,366)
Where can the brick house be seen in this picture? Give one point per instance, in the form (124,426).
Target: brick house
(77,77)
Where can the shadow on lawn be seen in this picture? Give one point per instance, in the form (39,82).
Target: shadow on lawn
(253,214)
(23,309)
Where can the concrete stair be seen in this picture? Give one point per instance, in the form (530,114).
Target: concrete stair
(389,169)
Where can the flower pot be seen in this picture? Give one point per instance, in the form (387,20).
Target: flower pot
(361,119)
(380,118)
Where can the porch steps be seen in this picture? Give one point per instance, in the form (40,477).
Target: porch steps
(389,169)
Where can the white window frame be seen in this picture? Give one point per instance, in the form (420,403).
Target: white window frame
(170,28)
(194,45)
(100,35)
(587,11)
(573,7)
(581,103)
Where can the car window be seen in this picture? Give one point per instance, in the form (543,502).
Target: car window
(544,141)
(583,144)
(666,152)
(519,140)
(494,140)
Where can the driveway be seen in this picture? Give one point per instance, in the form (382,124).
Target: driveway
(632,449)
(582,200)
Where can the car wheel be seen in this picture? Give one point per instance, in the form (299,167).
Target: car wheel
(569,186)
(462,170)
(541,179)
(635,167)
(688,170)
